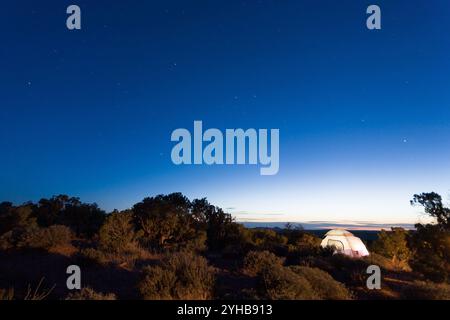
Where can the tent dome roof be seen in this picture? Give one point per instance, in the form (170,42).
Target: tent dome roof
(339,232)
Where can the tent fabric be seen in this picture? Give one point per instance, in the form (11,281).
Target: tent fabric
(345,242)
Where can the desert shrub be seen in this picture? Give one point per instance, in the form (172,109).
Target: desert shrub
(197,243)
(298,283)
(158,284)
(421,290)
(117,232)
(182,275)
(319,262)
(8,240)
(89,294)
(6,294)
(84,219)
(222,232)
(303,243)
(15,224)
(117,242)
(305,255)
(347,270)
(256,261)
(16,218)
(281,283)
(165,222)
(237,241)
(47,238)
(267,239)
(93,256)
(39,291)
(125,258)
(431,252)
(385,263)
(393,245)
(324,286)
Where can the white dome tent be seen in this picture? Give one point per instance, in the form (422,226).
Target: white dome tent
(344,242)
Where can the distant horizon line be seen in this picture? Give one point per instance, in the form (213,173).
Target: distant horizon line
(325,225)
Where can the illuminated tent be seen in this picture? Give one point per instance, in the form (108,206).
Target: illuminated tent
(344,242)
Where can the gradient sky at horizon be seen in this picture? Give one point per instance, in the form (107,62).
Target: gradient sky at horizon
(364,116)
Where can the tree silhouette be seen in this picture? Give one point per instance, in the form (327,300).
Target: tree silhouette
(166,221)
(432,202)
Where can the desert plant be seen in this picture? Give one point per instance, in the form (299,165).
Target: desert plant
(426,290)
(267,239)
(393,245)
(158,283)
(302,242)
(165,222)
(13,218)
(182,275)
(93,256)
(6,294)
(385,263)
(281,283)
(117,232)
(127,257)
(84,219)
(431,252)
(15,224)
(256,261)
(89,294)
(324,286)
(47,238)
(346,269)
(38,293)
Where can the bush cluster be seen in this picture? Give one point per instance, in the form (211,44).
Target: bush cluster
(182,275)
(89,294)
(276,281)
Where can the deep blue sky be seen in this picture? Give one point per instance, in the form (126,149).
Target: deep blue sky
(364,116)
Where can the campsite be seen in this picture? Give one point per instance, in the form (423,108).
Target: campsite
(169,247)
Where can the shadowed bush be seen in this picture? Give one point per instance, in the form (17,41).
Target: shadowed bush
(348,270)
(181,275)
(47,238)
(127,257)
(6,294)
(90,294)
(256,261)
(267,239)
(281,283)
(16,223)
(421,290)
(385,263)
(324,286)
(431,252)
(165,223)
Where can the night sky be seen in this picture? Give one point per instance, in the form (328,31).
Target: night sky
(364,116)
